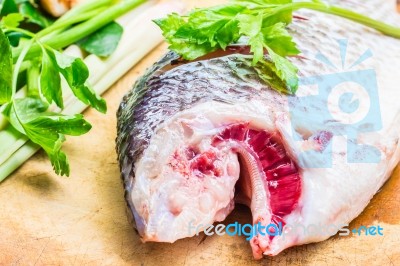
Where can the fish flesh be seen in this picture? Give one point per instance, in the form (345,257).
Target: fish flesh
(196,137)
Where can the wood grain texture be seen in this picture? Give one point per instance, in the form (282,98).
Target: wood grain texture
(81,220)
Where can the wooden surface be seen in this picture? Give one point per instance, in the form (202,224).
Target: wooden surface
(48,220)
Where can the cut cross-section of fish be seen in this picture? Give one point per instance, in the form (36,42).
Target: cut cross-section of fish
(207,157)
(196,137)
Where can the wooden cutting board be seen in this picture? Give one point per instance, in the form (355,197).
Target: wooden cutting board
(49,220)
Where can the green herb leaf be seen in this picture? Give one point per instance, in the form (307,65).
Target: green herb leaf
(204,25)
(7,7)
(6,69)
(88,96)
(250,26)
(170,25)
(278,39)
(192,51)
(104,41)
(50,81)
(228,33)
(12,20)
(204,31)
(14,38)
(29,116)
(285,70)
(266,71)
(257,47)
(267,8)
(33,15)
(76,74)
(30,108)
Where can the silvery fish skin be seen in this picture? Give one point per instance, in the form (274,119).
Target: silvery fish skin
(194,137)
